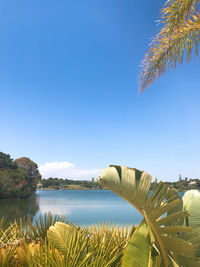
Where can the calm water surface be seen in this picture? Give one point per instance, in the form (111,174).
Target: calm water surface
(82,207)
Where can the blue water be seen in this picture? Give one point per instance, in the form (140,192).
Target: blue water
(82,207)
(88,207)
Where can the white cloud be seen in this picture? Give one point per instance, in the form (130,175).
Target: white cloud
(65,169)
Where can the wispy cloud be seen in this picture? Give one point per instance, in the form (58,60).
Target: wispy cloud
(65,169)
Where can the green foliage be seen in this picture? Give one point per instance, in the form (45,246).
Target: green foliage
(18,178)
(183,184)
(38,229)
(162,239)
(33,173)
(161,235)
(137,245)
(55,183)
(13,183)
(191,203)
(6,162)
(62,245)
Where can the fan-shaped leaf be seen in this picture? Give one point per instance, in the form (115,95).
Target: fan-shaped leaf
(60,235)
(161,210)
(138,250)
(191,203)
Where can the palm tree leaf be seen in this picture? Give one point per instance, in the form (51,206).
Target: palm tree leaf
(175,12)
(156,207)
(118,177)
(172,218)
(178,246)
(167,50)
(138,252)
(191,204)
(194,238)
(173,229)
(158,212)
(60,235)
(188,261)
(38,229)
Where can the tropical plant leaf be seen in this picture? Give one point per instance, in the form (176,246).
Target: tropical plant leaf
(130,184)
(138,250)
(188,261)
(191,204)
(107,243)
(161,210)
(175,41)
(194,238)
(60,235)
(39,227)
(176,11)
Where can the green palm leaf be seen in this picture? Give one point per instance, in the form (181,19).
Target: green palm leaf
(38,229)
(191,204)
(160,210)
(61,235)
(138,251)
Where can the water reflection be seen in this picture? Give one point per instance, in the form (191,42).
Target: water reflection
(88,207)
(12,209)
(83,207)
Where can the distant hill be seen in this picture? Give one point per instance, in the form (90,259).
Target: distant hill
(18,178)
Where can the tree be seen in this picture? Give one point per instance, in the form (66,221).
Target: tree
(18,178)
(13,183)
(33,173)
(6,162)
(180,33)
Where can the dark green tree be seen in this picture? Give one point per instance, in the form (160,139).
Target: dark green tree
(18,178)
(6,162)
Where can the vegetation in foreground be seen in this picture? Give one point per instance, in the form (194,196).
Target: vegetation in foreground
(167,235)
(63,244)
(18,178)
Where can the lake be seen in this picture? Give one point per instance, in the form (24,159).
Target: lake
(82,207)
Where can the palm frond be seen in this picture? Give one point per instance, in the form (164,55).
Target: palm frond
(166,51)
(191,204)
(138,251)
(175,12)
(161,209)
(98,245)
(39,227)
(108,243)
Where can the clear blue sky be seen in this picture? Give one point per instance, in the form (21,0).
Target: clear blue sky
(68,89)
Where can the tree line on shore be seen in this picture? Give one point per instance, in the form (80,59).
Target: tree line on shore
(183,184)
(59,183)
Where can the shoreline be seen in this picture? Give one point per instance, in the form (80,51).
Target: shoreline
(67,189)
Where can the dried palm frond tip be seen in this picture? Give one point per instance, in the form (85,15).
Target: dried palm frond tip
(178,37)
